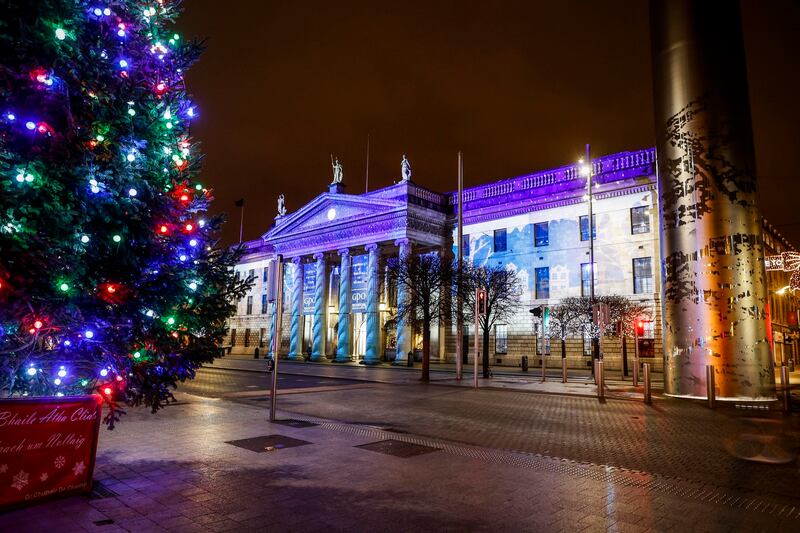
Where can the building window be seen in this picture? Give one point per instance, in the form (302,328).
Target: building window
(252,274)
(262,341)
(541,234)
(246,337)
(642,275)
(543,283)
(500,240)
(264,304)
(584,223)
(465,245)
(249,305)
(266,274)
(233,337)
(501,338)
(586,286)
(640,220)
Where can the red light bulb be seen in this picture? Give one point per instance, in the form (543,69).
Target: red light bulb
(184,198)
(111,289)
(163,229)
(189,227)
(107,391)
(37,324)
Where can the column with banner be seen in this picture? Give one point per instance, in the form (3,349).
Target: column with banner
(309,290)
(358,299)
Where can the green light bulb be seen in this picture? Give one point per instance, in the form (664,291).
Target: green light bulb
(117,238)
(64,287)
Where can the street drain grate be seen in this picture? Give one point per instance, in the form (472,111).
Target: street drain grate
(292,423)
(100,491)
(398,448)
(267,443)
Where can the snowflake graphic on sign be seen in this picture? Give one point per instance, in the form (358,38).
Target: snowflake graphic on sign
(43,477)
(3,469)
(59,461)
(78,468)
(20,480)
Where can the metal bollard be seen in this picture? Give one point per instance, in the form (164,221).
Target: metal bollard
(563,370)
(544,369)
(600,379)
(647,399)
(635,371)
(711,391)
(785,394)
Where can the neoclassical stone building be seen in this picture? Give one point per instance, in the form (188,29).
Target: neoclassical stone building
(337,307)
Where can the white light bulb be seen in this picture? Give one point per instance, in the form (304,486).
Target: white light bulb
(84,239)
(132,192)
(193,286)
(31,371)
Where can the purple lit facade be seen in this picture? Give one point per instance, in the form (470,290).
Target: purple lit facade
(531,223)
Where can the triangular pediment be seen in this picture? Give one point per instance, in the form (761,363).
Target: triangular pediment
(329,210)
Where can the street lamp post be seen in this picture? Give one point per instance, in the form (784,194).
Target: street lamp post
(586,169)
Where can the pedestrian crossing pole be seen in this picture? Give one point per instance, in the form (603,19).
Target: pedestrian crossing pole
(276,340)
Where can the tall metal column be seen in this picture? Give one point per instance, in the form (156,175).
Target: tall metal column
(343,351)
(319,331)
(714,285)
(403,329)
(296,303)
(372,354)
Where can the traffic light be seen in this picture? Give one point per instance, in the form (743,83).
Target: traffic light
(481,297)
(640,328)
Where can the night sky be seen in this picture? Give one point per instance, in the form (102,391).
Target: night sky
(517,86)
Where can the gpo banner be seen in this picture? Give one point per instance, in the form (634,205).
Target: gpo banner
(309,287)
(358,284)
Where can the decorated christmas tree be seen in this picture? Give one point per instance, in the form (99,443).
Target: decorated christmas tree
(110,277)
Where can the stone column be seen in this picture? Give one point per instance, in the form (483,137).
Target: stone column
(320,310)
(404,344)
(296,303)
(372,355)
(343,333)
(714,290)
(272,324)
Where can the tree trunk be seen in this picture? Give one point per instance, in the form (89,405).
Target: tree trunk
(486,353)
(563,349)
(426,351)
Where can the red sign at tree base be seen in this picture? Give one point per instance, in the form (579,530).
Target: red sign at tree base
(47,448)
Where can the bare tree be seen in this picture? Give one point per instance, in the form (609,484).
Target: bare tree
(502,288)
(425,279)
(566,319)
(624,312)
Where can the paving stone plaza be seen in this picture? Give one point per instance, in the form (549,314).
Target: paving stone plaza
(427,458)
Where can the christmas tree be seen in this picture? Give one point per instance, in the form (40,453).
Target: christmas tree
(111,280)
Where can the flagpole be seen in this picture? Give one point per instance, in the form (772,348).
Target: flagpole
(366,188)
(241,224)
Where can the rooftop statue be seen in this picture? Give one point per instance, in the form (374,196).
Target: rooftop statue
(281,206)
(405,169)
(338,173)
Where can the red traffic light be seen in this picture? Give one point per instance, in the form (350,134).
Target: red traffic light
(640,327)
